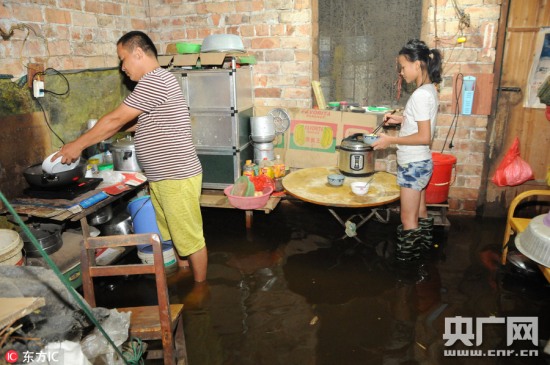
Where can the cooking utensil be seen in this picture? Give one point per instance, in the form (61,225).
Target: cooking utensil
(383,122)
(120,224)
(38,178)
(355,158)
(101,216)
(124,155)
(48,236)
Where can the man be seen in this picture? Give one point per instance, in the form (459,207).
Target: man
(164,147)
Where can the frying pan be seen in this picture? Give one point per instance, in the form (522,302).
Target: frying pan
(35,176)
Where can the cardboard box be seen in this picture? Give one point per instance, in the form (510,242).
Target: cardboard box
(204,59)
(314,134)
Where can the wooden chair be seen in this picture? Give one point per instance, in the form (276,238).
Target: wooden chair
(516,224)
(160,322)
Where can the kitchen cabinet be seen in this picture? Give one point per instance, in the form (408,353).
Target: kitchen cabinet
(220,105)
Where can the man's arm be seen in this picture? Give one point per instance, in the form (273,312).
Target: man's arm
(105,128)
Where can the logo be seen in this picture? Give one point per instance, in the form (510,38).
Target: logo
(12,356)
(461,329)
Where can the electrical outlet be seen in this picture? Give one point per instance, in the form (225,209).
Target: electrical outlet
(38,89)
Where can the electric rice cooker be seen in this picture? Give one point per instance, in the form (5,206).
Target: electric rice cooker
(355,158)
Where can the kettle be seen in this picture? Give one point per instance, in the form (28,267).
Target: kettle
(355,158)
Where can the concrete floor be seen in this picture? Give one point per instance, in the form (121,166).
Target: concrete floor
(290,291)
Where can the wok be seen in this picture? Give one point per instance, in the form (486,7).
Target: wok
(35,176)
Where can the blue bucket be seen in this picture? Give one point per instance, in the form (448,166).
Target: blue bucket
(144,219)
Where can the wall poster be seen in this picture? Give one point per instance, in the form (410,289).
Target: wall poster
(540,69)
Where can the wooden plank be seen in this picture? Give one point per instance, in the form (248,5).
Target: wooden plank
(12,309)
(482,95)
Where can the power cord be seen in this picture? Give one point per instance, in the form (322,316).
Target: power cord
(458,92)
(54,93)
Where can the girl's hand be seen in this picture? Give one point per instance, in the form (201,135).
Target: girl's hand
(383,141)
(392,119)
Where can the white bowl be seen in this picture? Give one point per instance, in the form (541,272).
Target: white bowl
(55,166)
(359,187)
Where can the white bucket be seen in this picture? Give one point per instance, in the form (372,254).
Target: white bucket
(168,253)
(262,150)
(11,246)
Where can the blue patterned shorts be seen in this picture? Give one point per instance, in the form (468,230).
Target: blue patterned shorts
(415,175)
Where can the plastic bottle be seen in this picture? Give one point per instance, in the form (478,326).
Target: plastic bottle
(248,169)
(266,168)
(107,158)
(279,169)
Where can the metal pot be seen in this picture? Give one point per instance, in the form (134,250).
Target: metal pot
(36,177)
(355,158)
(124,155)
(262,129)
(120,224)
(47,234)
(101,216)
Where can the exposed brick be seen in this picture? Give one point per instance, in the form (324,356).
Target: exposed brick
(112,9)
(279,55)
(301,16)
(263,43)
(139,24)
(221,7)
(69,4)
(261,30)
(28,14)
(296,93)
(273,92)
(84,19)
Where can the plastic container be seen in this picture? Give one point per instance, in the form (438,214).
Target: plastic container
(168,254)
(438,187)
(248,203)
(279,168)
(266,168)
(11,245)
(248,169)
(144,219)
(344,106)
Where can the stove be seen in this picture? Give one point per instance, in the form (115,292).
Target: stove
(79,187)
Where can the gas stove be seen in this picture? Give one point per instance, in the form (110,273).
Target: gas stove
(71,191)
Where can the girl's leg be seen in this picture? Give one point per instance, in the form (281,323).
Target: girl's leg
(410,203)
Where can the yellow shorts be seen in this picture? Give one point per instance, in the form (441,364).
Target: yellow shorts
(178,212)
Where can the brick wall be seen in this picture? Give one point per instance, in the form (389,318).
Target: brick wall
(82,34)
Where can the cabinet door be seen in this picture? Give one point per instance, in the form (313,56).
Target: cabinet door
(221,167)
(217,129)
(218,89)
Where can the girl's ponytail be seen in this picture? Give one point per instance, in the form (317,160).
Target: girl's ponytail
(434,66)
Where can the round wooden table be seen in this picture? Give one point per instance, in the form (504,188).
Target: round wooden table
(311,185)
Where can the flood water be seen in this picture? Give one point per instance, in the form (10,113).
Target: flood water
(291,291)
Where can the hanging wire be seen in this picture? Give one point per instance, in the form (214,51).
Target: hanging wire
(58,73)
(47,123)
(85,308)
(458,92)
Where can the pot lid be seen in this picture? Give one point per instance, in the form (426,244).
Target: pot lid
(127,141)
(41,231)
(354,143)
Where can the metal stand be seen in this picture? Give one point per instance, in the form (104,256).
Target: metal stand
(350,227)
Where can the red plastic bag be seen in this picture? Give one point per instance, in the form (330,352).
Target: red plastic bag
(262,181)
(513,170)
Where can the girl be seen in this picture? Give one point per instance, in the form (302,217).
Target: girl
(420,65)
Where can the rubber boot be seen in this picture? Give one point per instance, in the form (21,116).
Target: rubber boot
(426,225)
(408,244)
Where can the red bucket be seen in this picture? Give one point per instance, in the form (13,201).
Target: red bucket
(438,187)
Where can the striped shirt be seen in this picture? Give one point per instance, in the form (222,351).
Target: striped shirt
(164,145)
